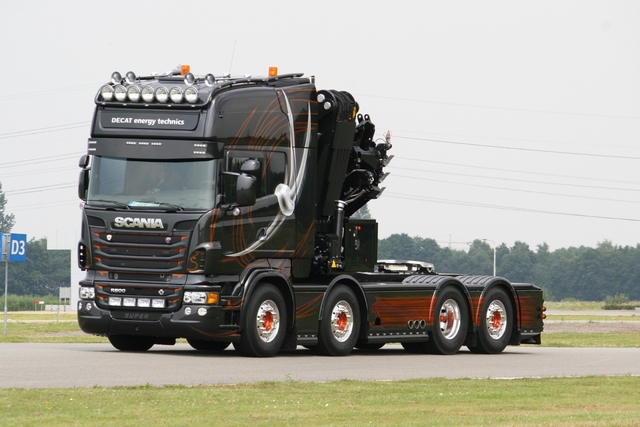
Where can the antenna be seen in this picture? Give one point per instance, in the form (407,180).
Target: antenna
(232,55)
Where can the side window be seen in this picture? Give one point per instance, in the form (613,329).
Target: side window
(272,172)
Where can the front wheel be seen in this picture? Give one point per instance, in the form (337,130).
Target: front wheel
(264,323)
(496,323)
(450,323)
(340,323)
(131,343)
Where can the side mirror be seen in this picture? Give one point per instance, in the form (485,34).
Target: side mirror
(246,190)
(83,184)
(250,167)
(84,161)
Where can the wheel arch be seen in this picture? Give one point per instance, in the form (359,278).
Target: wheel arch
(487,284)
(281,282)
(451,281)
(357,289)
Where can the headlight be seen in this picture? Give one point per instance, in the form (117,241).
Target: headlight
(191,94)
(87,292)
(200,298)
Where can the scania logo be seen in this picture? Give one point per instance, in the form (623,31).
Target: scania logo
(118,290)
(128,222)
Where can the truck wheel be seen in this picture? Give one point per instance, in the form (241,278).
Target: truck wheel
(450,323)
(131,343)
(496,323)
(264,323)
(204,345)
(340,323)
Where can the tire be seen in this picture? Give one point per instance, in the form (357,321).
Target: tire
(450,323)
(203,345)
(340,323)
(496,323)
(131,343)
(264,323)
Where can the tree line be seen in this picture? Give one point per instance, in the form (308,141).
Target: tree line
(584,273)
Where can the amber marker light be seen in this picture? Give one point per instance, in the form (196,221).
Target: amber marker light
(212,298)
(184,69)
(273,71)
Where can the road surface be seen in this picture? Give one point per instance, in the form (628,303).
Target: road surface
(38,365)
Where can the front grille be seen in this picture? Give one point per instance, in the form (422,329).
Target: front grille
(140,252)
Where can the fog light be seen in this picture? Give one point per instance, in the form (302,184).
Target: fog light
(175,94)
(89,306)
(191,94)
(158,303)
(115,301)
(144,302)
(162,94)
(147,93)
(187,311)
(106,92)
(202,311)
(79,305)
(129,302)
(133,93)
(120,93)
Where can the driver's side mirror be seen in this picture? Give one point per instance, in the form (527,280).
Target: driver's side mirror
(83,181)
(246,190)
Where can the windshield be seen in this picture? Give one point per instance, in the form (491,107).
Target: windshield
(152,184)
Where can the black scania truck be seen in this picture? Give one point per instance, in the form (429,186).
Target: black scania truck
(220,210)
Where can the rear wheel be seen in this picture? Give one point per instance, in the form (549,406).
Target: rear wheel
(450,323)
(496,323)
(131,343)
(264,323)
(340,324)
(204,345)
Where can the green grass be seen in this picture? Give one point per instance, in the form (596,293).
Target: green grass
(590,401)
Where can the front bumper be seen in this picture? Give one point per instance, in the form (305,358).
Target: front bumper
(198,322)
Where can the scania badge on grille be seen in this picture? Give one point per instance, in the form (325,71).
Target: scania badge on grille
(109,237)
(168,240)
(161,292)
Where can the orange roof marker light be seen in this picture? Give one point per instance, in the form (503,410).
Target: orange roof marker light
(184,69)
(273,71)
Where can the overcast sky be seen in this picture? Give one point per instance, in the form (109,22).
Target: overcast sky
(510,120)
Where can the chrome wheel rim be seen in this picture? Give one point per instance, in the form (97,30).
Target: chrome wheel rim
(450,319)
(268,321)
(342,321)
(496,319)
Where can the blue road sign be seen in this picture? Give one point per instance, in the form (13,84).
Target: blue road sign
(18,247)
(1,247)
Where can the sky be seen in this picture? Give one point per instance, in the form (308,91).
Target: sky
(510,121)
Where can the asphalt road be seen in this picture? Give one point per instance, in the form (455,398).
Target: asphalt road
(39,365)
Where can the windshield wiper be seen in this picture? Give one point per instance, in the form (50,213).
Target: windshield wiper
(119,204)
(154,204)
(171,205)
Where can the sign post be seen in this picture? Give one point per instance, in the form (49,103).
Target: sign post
(14,248)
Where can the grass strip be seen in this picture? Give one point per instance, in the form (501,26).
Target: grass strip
(590,401)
